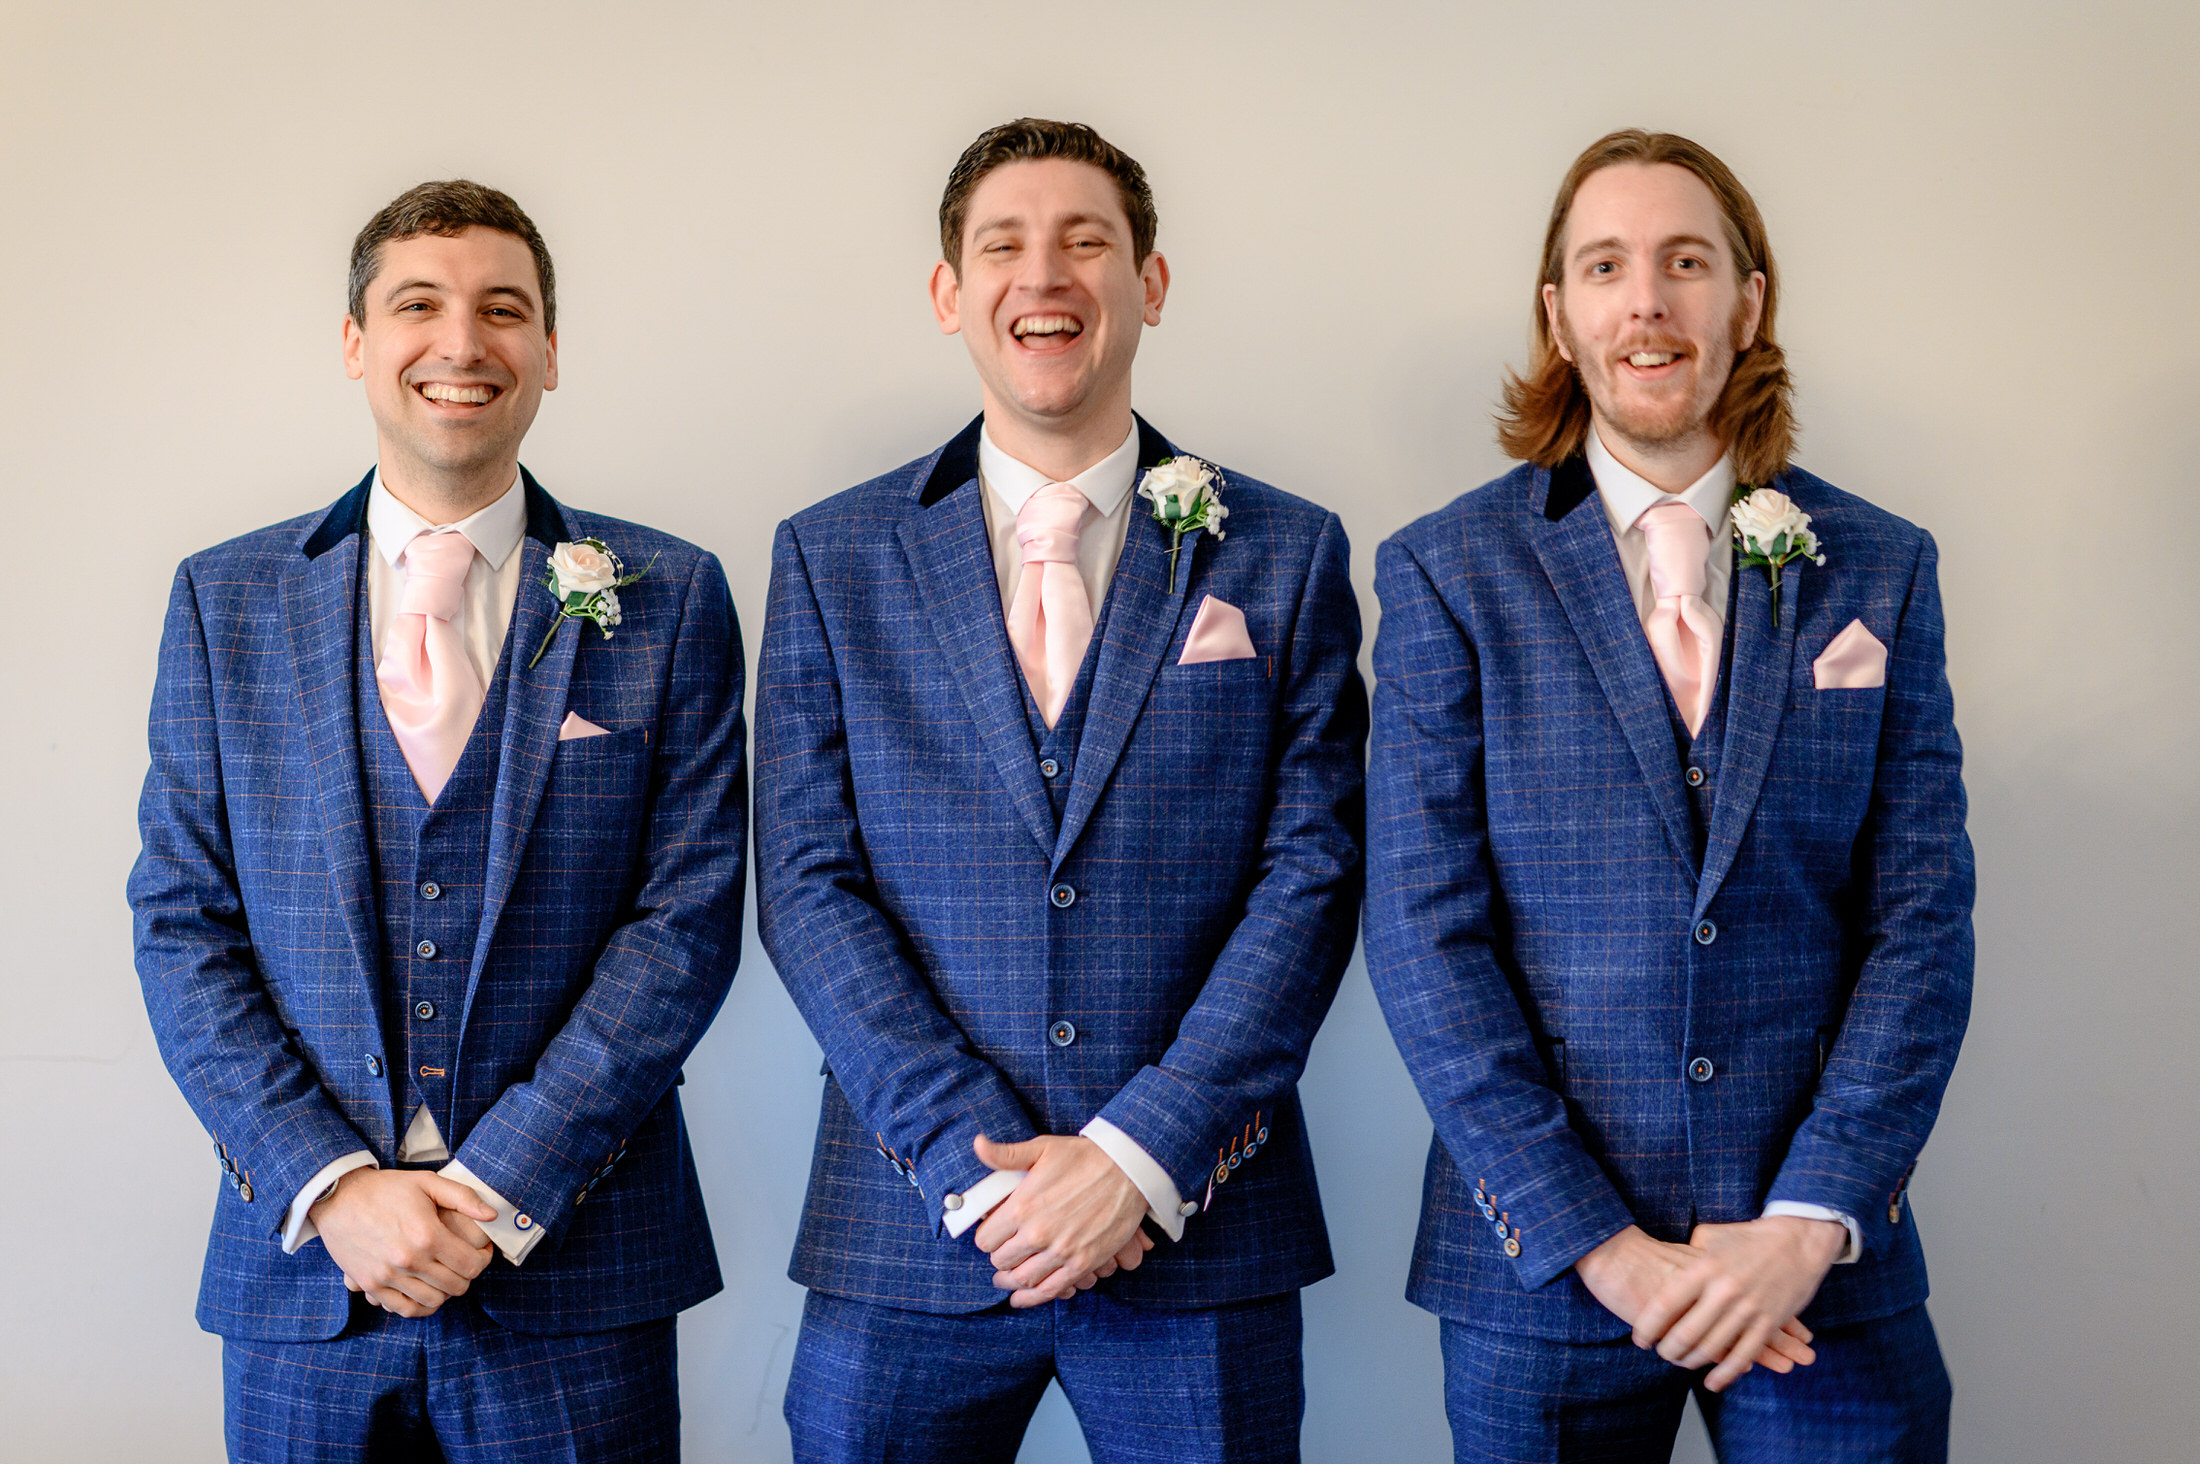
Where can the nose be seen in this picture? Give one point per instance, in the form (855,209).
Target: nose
(459,338)
(1045,271)
(1646,298)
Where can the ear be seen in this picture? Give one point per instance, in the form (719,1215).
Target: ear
(1753,310)
(355,350)
(1154,275)
(1550,318)
(947,298)
(550,362)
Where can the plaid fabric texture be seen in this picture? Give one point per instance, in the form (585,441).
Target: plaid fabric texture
(1555,965)
(454,1386)
(1189,914)
(1155,1385)
(611,912)
(1878,1394)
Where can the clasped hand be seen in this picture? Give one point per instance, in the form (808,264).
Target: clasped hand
(1731,1296)
(1070,1223)
(405,1238)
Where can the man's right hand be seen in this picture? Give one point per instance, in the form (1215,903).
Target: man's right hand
(1626,1272)
(385,1228)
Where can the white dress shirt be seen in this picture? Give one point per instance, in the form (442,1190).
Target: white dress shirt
(1626,496)
(1007,486)
(484,620)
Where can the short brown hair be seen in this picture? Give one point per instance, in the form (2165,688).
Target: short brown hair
(1545,417)
(444,210)
(1028,139)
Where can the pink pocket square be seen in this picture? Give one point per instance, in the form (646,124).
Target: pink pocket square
(576,725)
(1218,634)
(1853,661)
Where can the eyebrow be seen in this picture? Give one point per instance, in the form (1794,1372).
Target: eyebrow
(1012,221)
(513,291)
(1617,245)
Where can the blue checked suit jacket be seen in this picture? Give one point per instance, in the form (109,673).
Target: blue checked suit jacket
(611,919)
(907,847)
(1537,923)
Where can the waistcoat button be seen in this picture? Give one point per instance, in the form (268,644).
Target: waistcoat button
(425,950)
(425,1011)
(1062,1034)
(430,890)
(1701,1070)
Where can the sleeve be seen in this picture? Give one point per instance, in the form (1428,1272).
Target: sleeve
(1889,1067)
(1433,951)
(908,1071)
(219,1031)
(664,973)
(1242,1045)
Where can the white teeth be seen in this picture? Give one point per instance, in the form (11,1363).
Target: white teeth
(1652,358)
(1045,325)
(436,391)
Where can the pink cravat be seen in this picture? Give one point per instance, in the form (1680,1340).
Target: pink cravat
(1050,618)
(1683,635)
(430,691)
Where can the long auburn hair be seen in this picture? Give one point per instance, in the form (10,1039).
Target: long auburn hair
(1545,416)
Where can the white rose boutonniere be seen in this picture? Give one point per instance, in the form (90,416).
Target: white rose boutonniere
(1186,496)
(585,578)
(1770,530)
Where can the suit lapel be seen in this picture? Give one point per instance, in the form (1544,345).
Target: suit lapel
(952,561)
(1144,607)
(1584,569)
(321,607)
(1756,697)
(534,707)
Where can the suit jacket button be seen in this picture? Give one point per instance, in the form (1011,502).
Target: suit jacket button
(1512,1247)
(1701,1070)
(244,1192)
(952,1203)
(1222,1172)
(1062,1034)
(374,1066)
(1062,897)
(1188,1208)
(1706,933)
(425,950)
(523,1222)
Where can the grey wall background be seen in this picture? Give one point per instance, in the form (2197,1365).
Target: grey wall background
(1987,217)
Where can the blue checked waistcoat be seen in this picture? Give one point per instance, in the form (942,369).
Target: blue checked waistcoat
(586,916)
(993,928)
(1643,980)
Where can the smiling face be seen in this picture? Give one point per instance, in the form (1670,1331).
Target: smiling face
(1050,300)
(1651,309)
(455,358)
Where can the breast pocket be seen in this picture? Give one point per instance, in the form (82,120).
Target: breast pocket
(597,793)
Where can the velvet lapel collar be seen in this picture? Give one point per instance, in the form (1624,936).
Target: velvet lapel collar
(321,606)
(1575,545)
(533,709)
(952,563)
(1141,619)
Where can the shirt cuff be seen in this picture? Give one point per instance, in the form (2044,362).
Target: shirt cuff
(978,1201)
(1164,1205)
(513,1233)
(299,1228)
(1852,1253)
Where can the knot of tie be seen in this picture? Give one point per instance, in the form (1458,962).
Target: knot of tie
(1680,544)
(435,575)
(1046,526)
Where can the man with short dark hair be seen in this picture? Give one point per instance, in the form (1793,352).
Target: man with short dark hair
(437,893)
(1058,851)
(1670,895)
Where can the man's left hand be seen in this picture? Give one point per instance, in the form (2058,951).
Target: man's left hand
(1746,1283)
(1075,1215)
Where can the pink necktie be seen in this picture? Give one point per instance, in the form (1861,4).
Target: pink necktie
(1050,617)
(1683,635)
(430,691)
